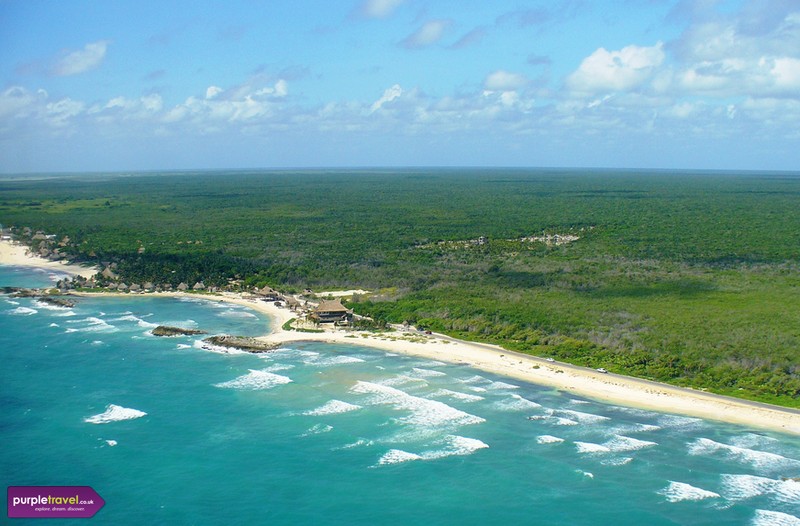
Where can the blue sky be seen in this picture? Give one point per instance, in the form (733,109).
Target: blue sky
(146,85)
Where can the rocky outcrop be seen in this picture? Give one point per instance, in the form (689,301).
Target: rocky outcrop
(166,330)
(56,301)
(242,343)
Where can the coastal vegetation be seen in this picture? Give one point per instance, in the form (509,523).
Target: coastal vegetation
(687,278)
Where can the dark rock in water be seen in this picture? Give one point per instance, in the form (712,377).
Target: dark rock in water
(242,343)
(57,301)
(165,330)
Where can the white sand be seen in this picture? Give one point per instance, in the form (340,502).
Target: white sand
(618,389)
(17,255)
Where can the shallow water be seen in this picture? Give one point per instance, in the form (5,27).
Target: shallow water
(170,432)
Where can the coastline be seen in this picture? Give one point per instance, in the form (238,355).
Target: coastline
(604,387)
(17,255)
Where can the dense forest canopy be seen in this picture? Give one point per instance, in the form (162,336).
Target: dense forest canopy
(691,278)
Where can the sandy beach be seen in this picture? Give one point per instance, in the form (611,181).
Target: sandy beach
(16,255)
(607,387)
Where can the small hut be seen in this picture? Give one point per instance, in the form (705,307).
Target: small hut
(268,294)
(183,287)
(199,286)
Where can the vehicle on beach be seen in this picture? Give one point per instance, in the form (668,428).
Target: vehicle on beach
(601,370)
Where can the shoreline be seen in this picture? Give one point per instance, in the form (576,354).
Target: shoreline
(17,255)
(604,387)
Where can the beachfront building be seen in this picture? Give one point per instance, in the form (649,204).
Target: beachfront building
(332,311)
(268,294)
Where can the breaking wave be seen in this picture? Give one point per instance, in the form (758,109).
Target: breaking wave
(332,407)
(680,492)
(114,413)
(255,380)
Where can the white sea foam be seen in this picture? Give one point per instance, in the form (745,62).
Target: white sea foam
(140,322)
(476,389)
(361,442)
(617,444)
(515,403)
(49,306)
(633,428)
(552,419)
(65,314)
(255,380)
(423,412)
(54,325)
(680,492)
(332,407)
(402,380)
(590,447)
(548,439)
(111,443)
(327,361)
(501,386)
(616,461)
(454,445)
(97,342)
(396,456)
(219,349)
(426,373)
(621,443)
(114,413)
(757,459)
(237,313)
(455,395)
(22,311)
(274,368)
(476,379)
(184,346)
(774,518)
(686,423)
(579,416)
(11,302)
(317,429)
(93,324)
(743,487)
(751,440)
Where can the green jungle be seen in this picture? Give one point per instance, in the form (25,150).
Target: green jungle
(690,278)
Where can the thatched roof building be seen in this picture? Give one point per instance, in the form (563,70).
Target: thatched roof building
(332,311)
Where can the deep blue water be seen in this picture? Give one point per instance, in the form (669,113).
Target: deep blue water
(171,433)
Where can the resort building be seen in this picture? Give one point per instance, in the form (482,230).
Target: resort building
(332,311)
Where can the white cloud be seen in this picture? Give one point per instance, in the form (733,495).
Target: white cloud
(622,70)
(786,73)
(502,80)
(59,113)
(430,33)
(15,102)
(388,96)
(379,8)
(213,91)
(83,60)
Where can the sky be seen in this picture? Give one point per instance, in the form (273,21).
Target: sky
(98,85)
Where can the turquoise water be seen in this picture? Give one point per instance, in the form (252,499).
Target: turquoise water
(168,432)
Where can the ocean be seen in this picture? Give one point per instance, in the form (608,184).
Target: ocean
(170,432)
